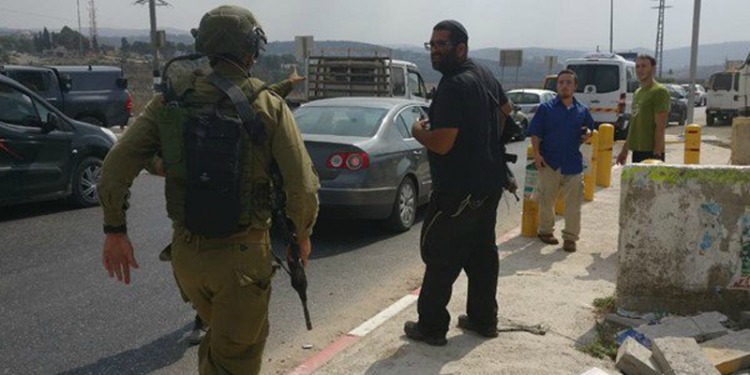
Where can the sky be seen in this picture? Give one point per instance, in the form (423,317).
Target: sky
(568,24)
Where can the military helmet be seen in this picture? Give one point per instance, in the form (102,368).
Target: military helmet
(229,30)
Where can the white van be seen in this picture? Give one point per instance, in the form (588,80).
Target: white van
(606,83)
(728,93)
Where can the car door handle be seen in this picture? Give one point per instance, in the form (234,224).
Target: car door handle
(595,101)
(417,152)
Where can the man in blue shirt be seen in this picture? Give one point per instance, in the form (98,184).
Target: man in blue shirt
(557,131)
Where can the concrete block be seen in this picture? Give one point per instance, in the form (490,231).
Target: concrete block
(595,371)
(729,353)
(634,359)
(682,356)
(701,327)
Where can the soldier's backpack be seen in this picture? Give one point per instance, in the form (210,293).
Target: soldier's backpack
(214,149)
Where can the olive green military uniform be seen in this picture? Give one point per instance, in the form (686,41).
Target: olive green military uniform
(227,279)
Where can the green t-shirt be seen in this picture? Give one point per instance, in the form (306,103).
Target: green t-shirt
(647,102)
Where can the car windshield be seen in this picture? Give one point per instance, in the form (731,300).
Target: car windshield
(343,121)
(606,78)
(721,82)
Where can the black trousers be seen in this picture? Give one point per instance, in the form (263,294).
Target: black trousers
(458,234)
(639,156)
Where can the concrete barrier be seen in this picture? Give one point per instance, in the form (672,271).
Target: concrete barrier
(741,141)
(684,243)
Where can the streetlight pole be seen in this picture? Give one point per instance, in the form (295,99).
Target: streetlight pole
(154,42)
(611,25)
(694,59)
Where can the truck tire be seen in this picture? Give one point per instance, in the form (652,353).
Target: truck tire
(404,207)
(85,178)
(710,120)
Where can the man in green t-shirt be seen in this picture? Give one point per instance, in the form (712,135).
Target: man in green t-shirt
(650,111)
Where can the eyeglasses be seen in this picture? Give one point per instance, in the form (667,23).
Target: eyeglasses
(438,44)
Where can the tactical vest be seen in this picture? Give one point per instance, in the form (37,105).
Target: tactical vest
(217,181)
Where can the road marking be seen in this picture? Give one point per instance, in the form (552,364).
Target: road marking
(384,315)
(317,361)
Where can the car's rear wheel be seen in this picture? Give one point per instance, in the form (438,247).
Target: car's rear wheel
(404,207)
(710,120)
(85,178)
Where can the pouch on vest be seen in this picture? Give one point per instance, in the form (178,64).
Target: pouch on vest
(213,150)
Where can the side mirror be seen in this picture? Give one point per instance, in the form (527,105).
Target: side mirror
(431,94)
(66,83)
(51,123)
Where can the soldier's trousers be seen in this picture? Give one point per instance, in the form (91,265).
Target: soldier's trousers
(228,281)
(458,233)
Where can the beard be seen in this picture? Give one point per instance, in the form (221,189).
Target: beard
(446,63)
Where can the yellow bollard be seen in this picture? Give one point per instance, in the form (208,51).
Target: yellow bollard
(604,164)
(560,204)
(693,144)
(589,178)
(530,216)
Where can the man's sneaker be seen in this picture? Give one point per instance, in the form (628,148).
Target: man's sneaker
(466,323)
(411,329)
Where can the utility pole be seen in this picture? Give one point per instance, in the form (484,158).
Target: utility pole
(80,36)
(93,33)
(659,50)
(694,59)
(156,37)
(611,25)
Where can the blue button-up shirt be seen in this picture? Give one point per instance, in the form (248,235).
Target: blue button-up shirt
(560,129)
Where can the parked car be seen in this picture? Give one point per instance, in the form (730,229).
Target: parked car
(94,94)
(699,98)
(370,167)
(530,99)
(550,82)
(728,95)
(44,154)
(678,104)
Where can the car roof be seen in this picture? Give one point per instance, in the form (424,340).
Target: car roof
(369,102)
(532,91)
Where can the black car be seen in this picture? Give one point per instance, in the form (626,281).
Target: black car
(678,104)
(95,94)
(370,167)
(45,154)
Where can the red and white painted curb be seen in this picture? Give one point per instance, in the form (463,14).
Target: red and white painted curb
(318,360)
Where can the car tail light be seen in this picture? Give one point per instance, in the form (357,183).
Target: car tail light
(352,161)
(621,104)
(129,103)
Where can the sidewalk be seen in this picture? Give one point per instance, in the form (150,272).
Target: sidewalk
(538,284)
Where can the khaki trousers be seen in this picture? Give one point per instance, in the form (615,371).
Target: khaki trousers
(228,281)
(550,183)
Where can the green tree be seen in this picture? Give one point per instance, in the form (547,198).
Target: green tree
(69,39)
(46,39)
(124,45)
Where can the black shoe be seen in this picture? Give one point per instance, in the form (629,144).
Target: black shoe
(411,329)
(466,323)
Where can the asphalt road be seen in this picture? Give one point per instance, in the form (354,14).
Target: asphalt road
(61,314)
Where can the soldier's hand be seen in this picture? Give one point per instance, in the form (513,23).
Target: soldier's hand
(420,125)
(118,256)
(539,161)
(305,248)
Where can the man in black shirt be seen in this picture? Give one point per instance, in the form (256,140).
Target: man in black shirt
(468,170)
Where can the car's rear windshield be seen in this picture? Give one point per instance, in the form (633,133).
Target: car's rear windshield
(341,121)
(722,82)
(606,78)
(523,98)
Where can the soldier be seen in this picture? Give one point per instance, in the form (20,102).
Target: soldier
(220,247)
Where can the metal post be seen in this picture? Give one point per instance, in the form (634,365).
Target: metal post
(154,42)
(694,60)
(611,24)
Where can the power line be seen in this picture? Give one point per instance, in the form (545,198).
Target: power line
(36,14)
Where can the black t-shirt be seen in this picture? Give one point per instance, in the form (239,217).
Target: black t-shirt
(469,100)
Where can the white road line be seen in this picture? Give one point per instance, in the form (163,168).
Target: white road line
(383,316)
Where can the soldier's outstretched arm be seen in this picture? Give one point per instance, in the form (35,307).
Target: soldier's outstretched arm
(132,152)
(301,183)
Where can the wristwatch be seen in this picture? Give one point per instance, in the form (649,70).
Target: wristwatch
(115,229)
